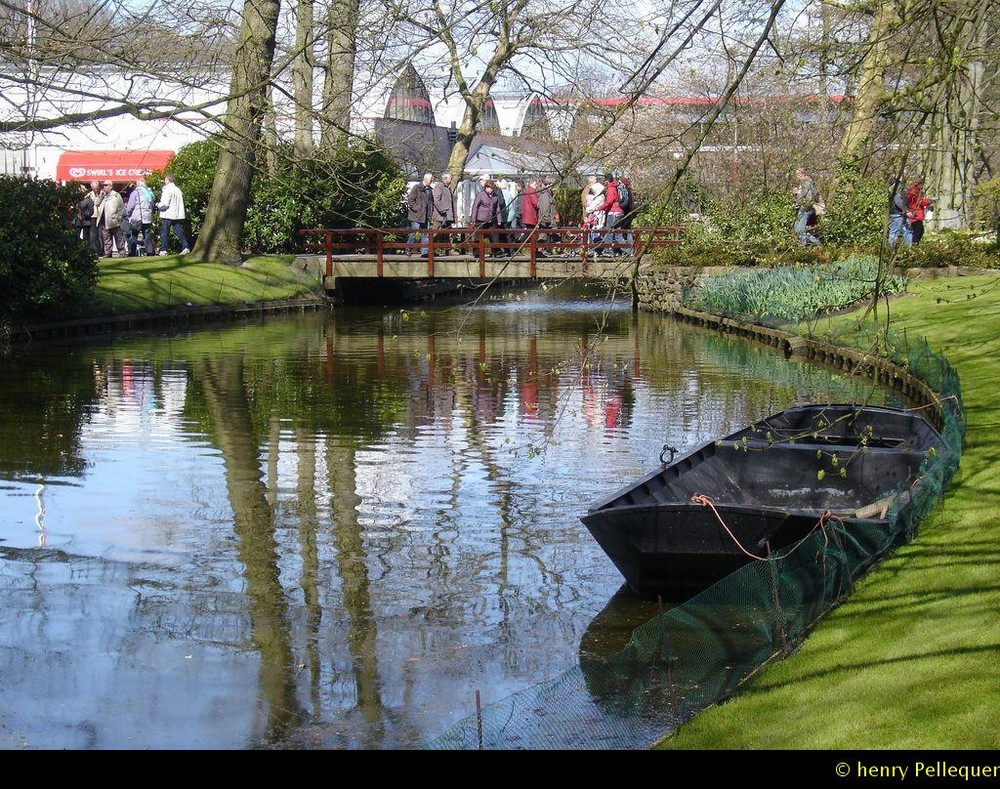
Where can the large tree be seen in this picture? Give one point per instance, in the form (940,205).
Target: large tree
(526,43)
(221,237)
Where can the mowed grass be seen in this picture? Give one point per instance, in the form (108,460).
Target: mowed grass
(912,659)
(127,285)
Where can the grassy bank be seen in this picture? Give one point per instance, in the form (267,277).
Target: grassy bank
(910,661)
(129,285)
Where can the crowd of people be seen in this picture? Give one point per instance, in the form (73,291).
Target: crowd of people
(121,223)
(525,205)
(908,209)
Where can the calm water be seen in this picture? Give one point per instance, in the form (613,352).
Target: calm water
(333,530)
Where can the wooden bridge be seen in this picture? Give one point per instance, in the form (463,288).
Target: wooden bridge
(479,254)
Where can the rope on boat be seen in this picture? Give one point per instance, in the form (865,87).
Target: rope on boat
(824,519)
(707,502)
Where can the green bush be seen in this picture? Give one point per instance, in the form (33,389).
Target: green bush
(859,215)
(944,248)
(46,271)
(354,185)
(986,207)
(569,206)
(757,230)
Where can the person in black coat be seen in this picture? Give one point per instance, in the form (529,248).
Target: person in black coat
(419,202)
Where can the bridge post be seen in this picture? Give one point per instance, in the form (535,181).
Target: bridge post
(431,235)
(481,238)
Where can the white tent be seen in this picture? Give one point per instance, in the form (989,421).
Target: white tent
(494,162)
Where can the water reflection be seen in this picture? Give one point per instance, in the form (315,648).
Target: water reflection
(333,530)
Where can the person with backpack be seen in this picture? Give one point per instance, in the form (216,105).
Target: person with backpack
(612,219)
(898,206)
(626,199)
(806,196)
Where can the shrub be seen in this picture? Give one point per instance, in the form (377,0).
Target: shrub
(858,216)
(46,271)
(986,207)
(944,248)
(794,293)
(356,184)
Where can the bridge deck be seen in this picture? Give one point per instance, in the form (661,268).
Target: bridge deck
(472,253)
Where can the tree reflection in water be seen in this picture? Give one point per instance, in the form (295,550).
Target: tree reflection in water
(332,530)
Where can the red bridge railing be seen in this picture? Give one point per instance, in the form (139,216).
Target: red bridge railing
(566,243)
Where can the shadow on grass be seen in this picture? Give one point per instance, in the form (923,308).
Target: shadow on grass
(849,667)
(143,284)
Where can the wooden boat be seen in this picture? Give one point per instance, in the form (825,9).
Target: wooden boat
(759,491)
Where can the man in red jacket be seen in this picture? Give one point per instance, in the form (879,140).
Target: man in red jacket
(529,208)
(613,219)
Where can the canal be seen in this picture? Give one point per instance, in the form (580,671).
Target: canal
(338,529)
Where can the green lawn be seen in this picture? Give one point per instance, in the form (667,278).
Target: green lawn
(912,659)
(127,285)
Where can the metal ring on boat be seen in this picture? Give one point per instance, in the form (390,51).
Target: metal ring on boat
(671,450)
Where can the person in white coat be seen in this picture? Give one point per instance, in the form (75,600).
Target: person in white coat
(171,207)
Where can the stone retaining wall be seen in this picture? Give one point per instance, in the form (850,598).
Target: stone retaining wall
(662,288)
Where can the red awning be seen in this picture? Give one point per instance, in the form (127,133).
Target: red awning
(120,166)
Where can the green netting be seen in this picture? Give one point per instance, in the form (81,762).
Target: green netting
(703,651)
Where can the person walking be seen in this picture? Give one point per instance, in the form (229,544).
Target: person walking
(94,238)
(626,199)
(547,214)
(594,218)
(486,212)
(84,215)
(419,202)
(614,239)
(917,204)
(171,207)
(529,208)
(806,196)
(897,212)
(108,216)
(443,207)
(586,193)
(139,212)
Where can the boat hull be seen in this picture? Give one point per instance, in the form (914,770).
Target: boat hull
(676,550)
(757,492)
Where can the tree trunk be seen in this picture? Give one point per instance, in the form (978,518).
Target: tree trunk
(270,134)
(475,103)
(223,387)
(338,88)
(221,237)
(465,135)
(302,79)
(870,95)
(955,144)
